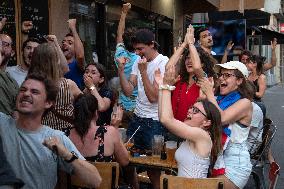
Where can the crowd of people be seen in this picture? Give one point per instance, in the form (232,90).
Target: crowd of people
(58,112)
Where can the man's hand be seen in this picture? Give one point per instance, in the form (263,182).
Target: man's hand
(72,24)
(2,23)
(142,65)
(121,63)
(126,7)
(52,38)
(27,26)
(54,144)
(273,44)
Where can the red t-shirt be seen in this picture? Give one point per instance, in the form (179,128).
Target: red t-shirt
(183,99)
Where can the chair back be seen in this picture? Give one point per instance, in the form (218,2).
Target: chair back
(109,172)
(173,182)
(268,133)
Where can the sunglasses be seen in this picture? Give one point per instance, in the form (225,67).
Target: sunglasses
(196,110)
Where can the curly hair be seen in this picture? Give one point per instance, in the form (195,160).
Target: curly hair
(85,107)
(207,62)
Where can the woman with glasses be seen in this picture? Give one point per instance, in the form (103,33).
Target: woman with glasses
(201,130)
(236,114)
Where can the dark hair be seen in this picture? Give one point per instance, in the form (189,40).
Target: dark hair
(85,107)
(259,63)
(215,130)
(30,39)
(198,31)
(245,52)
(146,37)
(244,89)
(50,87)
(102,72)
(69,35)
(127,37)
(207,62)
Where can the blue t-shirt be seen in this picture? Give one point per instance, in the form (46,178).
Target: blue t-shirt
(75,74)
(128,103)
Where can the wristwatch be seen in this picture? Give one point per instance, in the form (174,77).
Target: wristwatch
(92,87)
(74,157)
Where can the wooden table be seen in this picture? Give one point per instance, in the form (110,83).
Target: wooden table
(153,162)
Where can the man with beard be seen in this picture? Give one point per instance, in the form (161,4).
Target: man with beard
(8,86)
(73,50)
(35,151)
(20,71)
(205,40)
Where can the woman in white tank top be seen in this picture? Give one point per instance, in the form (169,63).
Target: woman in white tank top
(201,130)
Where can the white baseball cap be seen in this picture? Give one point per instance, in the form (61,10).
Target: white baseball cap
(233,65)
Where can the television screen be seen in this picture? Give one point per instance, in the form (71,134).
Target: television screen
(227,30)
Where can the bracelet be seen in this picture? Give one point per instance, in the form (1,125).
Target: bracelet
(167,87)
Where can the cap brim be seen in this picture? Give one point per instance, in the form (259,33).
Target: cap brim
(218,67)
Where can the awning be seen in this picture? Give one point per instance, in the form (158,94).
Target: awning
(253,17)
(268,35)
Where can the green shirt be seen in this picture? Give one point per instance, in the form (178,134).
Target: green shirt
(8,93)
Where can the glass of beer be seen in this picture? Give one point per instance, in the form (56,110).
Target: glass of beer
(171,147)
(157,145)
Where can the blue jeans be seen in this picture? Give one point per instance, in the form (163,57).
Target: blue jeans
(148,128)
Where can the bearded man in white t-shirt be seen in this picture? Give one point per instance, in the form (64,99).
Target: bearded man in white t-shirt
(145,119)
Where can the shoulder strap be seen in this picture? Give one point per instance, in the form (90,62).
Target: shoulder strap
(100,133)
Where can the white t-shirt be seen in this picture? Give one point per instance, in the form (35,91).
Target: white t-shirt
(255,133)
(17,73)
(144,108)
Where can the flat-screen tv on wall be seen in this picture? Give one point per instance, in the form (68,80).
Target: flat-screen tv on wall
(223,32)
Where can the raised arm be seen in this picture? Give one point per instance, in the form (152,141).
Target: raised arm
(2,23)
(166,113)
(62,60)
(103,102)
(239,111)
(226,52)
(26,27)
(78,45)
(272,63)
(151,89)
(195,59)
(127,86)
(121,25)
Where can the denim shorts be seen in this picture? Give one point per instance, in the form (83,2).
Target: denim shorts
(148,128)
(237,162)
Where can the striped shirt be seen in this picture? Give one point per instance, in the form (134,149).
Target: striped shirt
(61,114)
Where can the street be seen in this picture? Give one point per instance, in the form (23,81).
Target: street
(274,101)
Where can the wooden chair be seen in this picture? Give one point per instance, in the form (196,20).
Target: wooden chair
(173,182)
(109,172)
